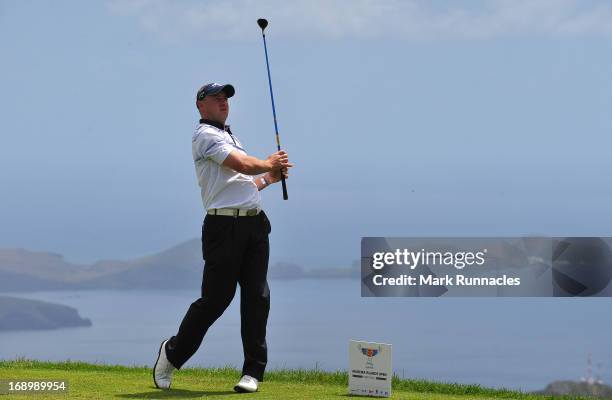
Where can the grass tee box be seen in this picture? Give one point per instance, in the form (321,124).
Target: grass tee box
(93,381)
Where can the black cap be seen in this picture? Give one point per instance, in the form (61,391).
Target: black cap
(214,88)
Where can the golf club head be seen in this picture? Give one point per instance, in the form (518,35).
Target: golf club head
(262,22)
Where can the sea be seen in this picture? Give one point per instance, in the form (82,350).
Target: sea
(516,343)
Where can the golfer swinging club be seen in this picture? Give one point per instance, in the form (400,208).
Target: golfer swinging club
(234,241)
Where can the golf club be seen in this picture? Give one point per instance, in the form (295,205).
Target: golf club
(262,24)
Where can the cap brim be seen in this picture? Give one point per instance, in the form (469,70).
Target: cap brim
(227,89)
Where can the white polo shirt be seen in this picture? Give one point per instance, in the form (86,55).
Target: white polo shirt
(221,187)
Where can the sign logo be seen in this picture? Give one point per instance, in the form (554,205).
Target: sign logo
(369,352)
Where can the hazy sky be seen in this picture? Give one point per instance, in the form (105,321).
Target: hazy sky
(404,118)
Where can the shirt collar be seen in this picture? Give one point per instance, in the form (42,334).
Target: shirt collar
(214,123)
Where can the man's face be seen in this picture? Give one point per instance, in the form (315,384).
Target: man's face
(215,107)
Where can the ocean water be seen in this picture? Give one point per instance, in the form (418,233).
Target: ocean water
(519,343)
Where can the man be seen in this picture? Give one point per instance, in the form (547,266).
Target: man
(234,241)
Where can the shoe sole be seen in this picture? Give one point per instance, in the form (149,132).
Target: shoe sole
(155,366)
(240,389)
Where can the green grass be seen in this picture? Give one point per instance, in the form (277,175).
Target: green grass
(100,381)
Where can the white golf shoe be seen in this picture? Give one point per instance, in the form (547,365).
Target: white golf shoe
(163,369)
(247,384)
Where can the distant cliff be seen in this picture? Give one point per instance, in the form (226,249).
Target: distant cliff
(23,314)
(175,268)
(571,388)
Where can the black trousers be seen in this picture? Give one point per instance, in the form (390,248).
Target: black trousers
(236,251)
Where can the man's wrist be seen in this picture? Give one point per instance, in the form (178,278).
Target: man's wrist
(268,166)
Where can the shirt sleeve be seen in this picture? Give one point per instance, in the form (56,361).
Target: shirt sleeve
(211,146)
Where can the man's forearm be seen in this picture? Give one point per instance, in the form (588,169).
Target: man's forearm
(254,166)
(249,165)
(246,164)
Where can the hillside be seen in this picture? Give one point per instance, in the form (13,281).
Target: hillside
(23,314)
(178,267)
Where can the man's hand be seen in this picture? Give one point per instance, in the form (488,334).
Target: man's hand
(280,163)
(275,176)
(277,161)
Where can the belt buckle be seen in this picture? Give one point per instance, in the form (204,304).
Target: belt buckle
(252,212)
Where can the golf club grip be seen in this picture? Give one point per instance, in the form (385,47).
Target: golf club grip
(285,195)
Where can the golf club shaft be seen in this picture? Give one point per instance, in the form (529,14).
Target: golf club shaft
(285,195)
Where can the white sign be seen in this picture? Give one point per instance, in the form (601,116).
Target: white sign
(370,369)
